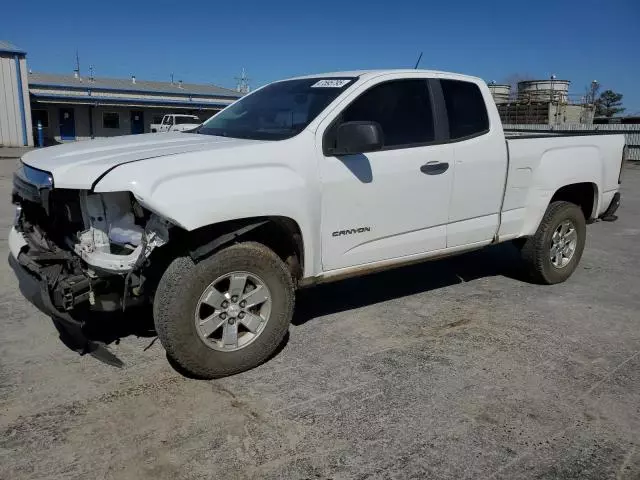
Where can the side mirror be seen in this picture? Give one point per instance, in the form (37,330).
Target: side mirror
(358,137)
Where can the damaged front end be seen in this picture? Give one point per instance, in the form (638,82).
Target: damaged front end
(84,251)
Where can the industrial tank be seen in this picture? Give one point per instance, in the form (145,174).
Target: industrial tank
(500,93)
(543,90)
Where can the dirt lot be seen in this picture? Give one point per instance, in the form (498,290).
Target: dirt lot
(454,369)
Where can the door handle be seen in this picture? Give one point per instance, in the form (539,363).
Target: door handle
(434,168)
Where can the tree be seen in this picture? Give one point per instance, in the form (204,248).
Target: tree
(609,104)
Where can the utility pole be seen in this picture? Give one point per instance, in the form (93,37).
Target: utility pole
(76,71)
(551,106)
(594,88)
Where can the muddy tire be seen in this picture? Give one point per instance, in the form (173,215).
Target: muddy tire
(242,294)
(553,253)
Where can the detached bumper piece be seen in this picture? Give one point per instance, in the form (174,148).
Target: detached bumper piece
(609,215)
(59,275)
(53,282)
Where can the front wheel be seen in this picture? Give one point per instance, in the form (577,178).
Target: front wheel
(226,314)
(554,252)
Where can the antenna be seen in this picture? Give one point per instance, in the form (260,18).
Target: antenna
(76,71)
(243,83)
(418,62)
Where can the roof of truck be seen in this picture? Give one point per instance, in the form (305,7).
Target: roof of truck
(365,74)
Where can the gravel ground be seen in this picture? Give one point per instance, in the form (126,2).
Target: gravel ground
(453,369)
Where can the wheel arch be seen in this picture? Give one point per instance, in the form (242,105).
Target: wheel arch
(583,194)
(571,173)
(281,234)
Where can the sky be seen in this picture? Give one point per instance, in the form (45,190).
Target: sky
(211,41)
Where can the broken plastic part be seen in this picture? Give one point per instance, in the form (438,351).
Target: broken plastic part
(124,231)
(137,209)
(93,212)
(156,234)
(109,218)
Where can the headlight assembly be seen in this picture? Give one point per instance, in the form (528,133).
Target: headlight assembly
(36,177)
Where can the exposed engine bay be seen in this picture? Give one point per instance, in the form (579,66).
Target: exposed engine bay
(119,234)
(86,249)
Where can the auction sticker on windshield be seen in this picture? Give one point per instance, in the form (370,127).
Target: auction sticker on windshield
(330,83)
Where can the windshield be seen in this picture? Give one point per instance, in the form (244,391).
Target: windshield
(191,120)
(278,111)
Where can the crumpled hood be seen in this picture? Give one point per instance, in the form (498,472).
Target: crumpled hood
(78,165)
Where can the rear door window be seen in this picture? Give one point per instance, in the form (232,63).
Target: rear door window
(466,109)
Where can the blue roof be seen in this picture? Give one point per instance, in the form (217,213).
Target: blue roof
(8,47)
(123,101)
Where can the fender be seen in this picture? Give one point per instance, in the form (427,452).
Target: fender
(204,250)
(556,170)
(196,189)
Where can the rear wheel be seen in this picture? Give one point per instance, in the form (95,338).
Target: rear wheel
(554,252)
(225,314)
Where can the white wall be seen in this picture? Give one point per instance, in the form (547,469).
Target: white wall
(11,120)
(560,114)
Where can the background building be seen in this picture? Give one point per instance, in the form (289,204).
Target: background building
(15,116)
(542,102)
(73,107)
(78,107)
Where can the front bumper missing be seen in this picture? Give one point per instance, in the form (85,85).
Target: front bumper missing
(34,286)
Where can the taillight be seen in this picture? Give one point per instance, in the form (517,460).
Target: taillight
(625,155)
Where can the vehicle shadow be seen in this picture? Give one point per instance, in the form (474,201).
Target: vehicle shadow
(503,259)
(359,165)
(110,327)
(185,373)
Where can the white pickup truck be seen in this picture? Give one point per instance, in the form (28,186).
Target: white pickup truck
(176,123)
(305,180)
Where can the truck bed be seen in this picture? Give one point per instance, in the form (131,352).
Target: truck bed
(513,134)
(540,161)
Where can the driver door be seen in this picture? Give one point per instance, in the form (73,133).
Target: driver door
(393,202)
